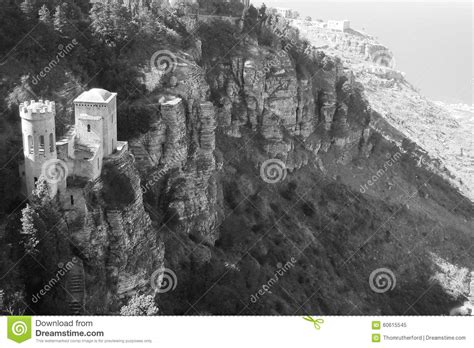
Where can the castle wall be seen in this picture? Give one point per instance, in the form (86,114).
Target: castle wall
(89,129)
(338,25)
(73,201)
(110,128)
(107,112)
(89,168)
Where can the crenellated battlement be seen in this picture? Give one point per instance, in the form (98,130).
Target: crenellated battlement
(37,109)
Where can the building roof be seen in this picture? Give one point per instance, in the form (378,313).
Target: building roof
(94,95)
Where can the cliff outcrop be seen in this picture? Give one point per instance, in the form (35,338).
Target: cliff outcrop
(118,243)
(352,193)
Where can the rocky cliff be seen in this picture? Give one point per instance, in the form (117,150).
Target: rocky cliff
(441,133)
(351,193)
(118,243)
(277,178)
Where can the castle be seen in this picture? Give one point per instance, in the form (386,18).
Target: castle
(80,153)
(339,25)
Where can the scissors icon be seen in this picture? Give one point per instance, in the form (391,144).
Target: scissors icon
(316,322)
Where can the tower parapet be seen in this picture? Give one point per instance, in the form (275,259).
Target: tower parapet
(37,109)
(39,141)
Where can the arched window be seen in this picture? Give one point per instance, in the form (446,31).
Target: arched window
(30,144)
(41,144)
(89,128)
(51,142)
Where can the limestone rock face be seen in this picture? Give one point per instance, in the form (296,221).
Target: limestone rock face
(192,189)
(200,168)
(120,247)
(261,90)
(148,149)
(176,157)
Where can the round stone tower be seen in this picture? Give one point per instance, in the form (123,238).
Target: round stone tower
(39,144)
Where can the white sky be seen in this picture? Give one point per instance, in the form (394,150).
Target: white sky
(432,41)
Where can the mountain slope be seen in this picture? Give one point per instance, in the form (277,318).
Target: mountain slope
(354,196)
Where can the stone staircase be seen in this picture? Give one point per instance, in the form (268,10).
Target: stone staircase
(76,289)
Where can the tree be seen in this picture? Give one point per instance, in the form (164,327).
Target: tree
(41,192)
(140,305)
(21,92)
(45,15)
(28,220)
(218,40)
(308,19)
(262,12)
(28,8)
(15,303)
(251,20)
(112,23)
(60,20)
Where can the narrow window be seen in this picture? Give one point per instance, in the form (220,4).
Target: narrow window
(51,142)
(30,144)
(41,144)
(89,128)
(72,200)
(35,180)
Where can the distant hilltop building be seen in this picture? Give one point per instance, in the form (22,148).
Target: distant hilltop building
(284,12)
(80,153)
(339,25)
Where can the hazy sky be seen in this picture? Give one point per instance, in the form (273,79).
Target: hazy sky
(432,41)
